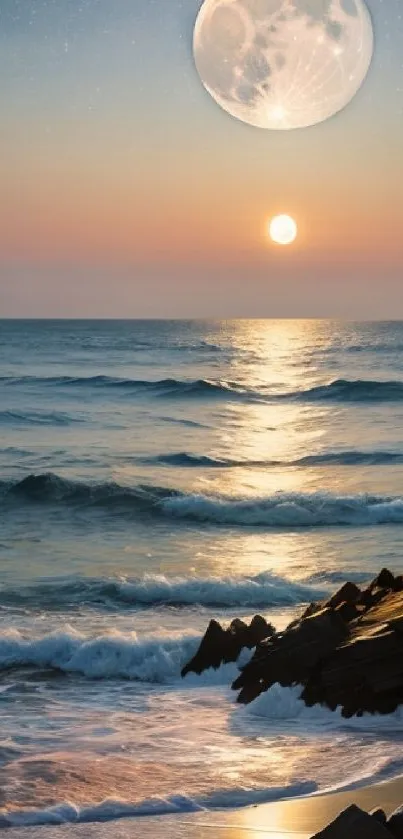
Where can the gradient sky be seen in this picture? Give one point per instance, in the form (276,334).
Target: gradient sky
(127,192)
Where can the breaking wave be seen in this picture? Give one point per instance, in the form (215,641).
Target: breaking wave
(280,510)
(113,656)
(157,659)
(110,810)
(264,590)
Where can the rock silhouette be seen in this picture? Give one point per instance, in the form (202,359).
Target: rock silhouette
(345,652)
(220,646)
(354,823)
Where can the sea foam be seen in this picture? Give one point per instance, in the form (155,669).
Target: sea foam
(112,809)
(262,590)
(110,656)
(277,510)
(284,705)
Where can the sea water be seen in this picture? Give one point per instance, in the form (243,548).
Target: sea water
(153,475)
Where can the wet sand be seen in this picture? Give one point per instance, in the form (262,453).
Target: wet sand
(301,818)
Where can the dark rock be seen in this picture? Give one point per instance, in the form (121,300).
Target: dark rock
(396,624)
(379,815)
(289,657)
(395,823)
(310,610)
(348,593)
(260,629)
(385,579)
(347,653)
(348,611)
(354,823)
(371,596)
(208,654)
(220,646)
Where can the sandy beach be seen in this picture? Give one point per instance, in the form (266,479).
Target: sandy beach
(300,817)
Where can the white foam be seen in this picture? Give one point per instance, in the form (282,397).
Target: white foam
(288,510)
(283,704)
(112,809)
(158,659)
(263,589)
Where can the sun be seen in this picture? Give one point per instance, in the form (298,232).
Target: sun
(283,230)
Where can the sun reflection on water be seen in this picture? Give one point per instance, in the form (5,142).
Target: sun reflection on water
(275,358)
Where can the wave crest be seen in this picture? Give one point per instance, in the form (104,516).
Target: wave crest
(155,659)
(359,390)
(327,458)
(280,510)
(110,810)
(339,390)
(264,590)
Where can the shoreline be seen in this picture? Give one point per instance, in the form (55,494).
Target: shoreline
(301,817)
(314,812)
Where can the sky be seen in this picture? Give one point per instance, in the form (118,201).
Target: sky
(126,191)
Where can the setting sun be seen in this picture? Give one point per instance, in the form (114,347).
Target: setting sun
(283,230)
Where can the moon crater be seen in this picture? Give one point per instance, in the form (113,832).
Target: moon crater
(283,64)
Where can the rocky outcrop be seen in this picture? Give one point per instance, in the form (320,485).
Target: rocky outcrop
(395,823)
(346,651)
(354,823)
(220,646)
(290,657)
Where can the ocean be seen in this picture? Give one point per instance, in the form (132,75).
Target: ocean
(155,474)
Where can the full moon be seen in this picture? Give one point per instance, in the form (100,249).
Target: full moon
(283,230)
(283,64)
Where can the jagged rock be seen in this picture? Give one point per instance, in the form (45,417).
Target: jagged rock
(348,611)
(354,823)
(346,652)
(372,596)
(348,593)
(385,579)
(220,646)
(395,823)
(289,657)
(379,815)
(208,653)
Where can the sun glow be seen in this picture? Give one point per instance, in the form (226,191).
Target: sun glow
(283,230)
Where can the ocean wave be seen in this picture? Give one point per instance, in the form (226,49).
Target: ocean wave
(338,577)
(162,387)
(112,809)
(157,659)
(342,458)
(264,590)
(388,347)
(113,656)
(279,510)
(339,390)
(360,390)
(287,510)
(53,489)
(14,417)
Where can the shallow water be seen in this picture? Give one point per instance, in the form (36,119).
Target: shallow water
(154,474)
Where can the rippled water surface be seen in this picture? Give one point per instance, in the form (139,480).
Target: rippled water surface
(156,474)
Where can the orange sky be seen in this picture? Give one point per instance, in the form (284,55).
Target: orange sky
(174,183)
